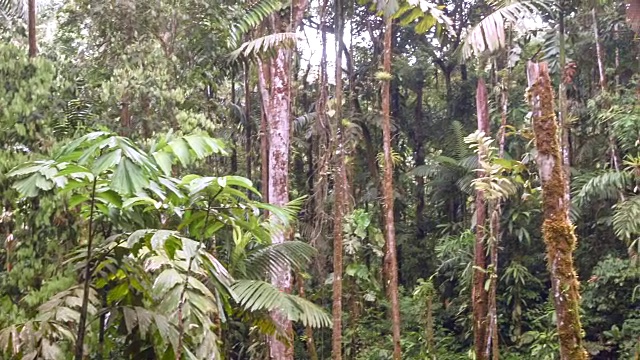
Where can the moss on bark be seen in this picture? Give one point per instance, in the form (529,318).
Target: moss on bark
(557,230)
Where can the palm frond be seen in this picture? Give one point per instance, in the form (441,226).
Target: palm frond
(249,18)
(257,295)
(264,45)
(489,34)
(271,259)
(12,9)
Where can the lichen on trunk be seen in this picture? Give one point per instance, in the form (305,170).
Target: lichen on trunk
(557,230)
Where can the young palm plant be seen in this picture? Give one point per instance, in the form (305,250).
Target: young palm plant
(150,274)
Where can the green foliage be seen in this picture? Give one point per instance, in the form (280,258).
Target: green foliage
(159,281)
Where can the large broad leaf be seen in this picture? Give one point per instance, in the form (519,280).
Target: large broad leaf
(257,295)
(106,161)
(129,178)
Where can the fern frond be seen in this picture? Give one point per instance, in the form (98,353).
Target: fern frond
(603,186)
(626,219)
(454,142)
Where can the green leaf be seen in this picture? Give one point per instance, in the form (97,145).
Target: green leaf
(29,187)
(128,178)
(106,161)
(181,150)
(199,145)
(110,197)
(159,238)
(78,199)
(167,280)
(118,293)
(164,161)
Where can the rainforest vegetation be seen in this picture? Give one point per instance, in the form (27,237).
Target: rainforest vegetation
(319,179)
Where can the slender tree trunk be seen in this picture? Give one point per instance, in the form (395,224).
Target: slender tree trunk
(616,37)
(322,155)
(340,195)
(599,53)
(308,331)
(33,45)
(419,157)
(387,190)
(564,112)
(234,149)
(496,232)
(478,291)
(492,349)
(557,230)
(247,119)
(264,83)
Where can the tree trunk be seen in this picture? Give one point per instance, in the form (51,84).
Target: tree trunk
(599,54)
(308,331)
(247,119)
(564,113)
(418,139)
(340,195)
(33,46)
(557,230)
(277,114)
(277,101)
(234,149)
(478,292)
(387,191)
(496,232)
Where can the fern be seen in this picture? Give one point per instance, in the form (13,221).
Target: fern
(455,141)
(603,186)
(626,219)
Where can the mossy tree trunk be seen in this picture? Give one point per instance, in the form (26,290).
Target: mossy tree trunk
(557,231)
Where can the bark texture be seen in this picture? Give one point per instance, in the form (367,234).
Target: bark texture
(478,291)
(340,197)
(31,9)
(391,258)
(557,231)
(275,88)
